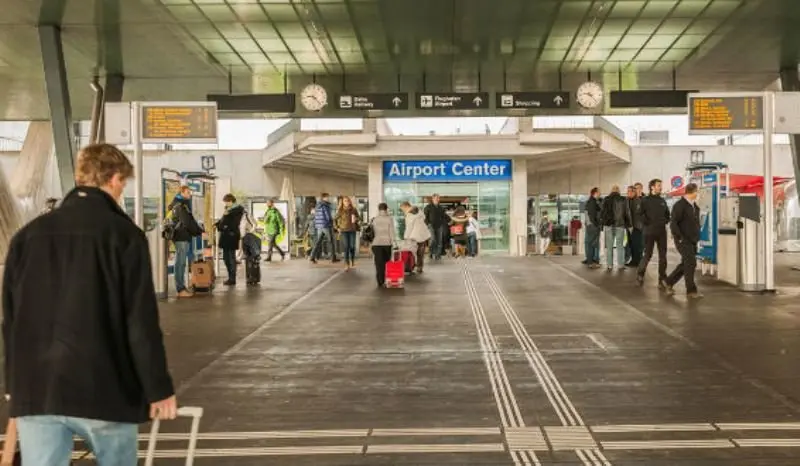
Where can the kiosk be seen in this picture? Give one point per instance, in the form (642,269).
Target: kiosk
(203,191)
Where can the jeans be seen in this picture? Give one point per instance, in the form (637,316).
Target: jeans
(381,255)
(651,240)
(437,241)
(324,235)
(349,240)
(229,258)
(592,244)
(181,262)
(615,239)
(472,244)
(272,240)
(421,247)
(636,244)
(47,440)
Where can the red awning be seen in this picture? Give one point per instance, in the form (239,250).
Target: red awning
(742,184)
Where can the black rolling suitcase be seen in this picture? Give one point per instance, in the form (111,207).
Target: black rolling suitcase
(252,270)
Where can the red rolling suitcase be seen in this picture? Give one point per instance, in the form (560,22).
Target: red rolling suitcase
(395,271)
(409,261)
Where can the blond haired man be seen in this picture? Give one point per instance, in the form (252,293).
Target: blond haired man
(83,347)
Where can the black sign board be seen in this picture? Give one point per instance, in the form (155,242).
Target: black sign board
(649,99)
(453,101)
(256,103)
(548,100)
(174,122)
(396,101)
(726,114)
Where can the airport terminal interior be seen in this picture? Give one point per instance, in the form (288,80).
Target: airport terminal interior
(522,352)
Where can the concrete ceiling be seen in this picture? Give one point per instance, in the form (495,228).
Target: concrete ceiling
(185,49)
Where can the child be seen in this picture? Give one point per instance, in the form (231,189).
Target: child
(458,231)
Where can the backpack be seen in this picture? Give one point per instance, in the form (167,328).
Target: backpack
(544,229)
(457,229)
(368,235)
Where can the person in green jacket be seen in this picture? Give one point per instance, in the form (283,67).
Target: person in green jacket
(274,228)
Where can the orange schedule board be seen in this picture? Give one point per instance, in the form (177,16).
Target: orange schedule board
(726,114)
(179,122)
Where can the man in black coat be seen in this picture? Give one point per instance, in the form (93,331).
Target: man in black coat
(616,219)
(230,236)
(84,353)
(437,220)
(655,217)
(594,224)
(685,227)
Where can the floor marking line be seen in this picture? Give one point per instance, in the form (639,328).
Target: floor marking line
(546,377)
(715,357)
(667,444)
(767,442)
(508,408)
(565,407)
(247,339)
(758,426)
(610,429)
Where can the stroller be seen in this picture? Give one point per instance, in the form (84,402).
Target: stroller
(251,247)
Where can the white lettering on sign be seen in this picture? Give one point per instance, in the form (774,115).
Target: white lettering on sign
(460,169)
(465,169)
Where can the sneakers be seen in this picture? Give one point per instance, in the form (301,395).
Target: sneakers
(185,294)
(695,295)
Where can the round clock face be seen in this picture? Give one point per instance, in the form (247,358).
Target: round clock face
(314,97)
(590,94)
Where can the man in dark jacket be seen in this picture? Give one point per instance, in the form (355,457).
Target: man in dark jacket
(594,224)
(230,235)
(83,348)
(436,219)
(655,217)
(636,231)
(685,227)
(185,228)
(616,219)
(323,222)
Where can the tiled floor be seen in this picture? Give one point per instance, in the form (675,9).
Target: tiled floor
(488,361)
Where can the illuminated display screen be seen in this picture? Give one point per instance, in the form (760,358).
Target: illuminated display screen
(726,114)
(168,123)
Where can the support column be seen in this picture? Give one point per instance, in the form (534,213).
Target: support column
(374,186)
(55,75)
(518,217)
(790,82)
(112,93)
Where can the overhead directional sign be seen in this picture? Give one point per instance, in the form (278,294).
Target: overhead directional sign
(396,101)
(453,101)
(726,113)
(179,122)
(548,100)
(648,99)
(256,103)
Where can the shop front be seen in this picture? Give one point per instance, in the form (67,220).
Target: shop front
(481,186)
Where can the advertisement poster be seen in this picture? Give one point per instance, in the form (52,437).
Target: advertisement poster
(258,209)
(706,201)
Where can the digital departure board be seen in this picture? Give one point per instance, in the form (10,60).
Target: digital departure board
(190,122)
(725,114)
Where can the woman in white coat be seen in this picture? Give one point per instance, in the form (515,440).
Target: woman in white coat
(416,231)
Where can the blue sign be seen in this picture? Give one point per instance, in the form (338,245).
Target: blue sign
(676,182)
(446,170)
(710,178)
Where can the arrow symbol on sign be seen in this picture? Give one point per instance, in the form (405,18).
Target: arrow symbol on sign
(477,101)
(397,101)
(558,100)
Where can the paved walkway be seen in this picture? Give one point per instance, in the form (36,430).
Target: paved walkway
(488,361)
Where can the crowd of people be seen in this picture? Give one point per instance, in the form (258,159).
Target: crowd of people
(635,226)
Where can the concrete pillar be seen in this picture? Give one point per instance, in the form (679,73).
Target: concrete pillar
(525,124)
(374,186)
(370,125)
(518,215)
(55,75)
(791,82)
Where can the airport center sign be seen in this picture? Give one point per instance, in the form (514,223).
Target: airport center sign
(437,171)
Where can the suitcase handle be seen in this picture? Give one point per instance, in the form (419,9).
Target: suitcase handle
(195,412)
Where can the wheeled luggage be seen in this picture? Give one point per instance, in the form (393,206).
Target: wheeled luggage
(395,271)
(409,261)
(202,273)
(193,412)
(252,269)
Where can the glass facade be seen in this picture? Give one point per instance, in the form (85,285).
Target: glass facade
(491,199)
(562,210)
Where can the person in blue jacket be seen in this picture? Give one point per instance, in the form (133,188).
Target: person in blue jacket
(323,222)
